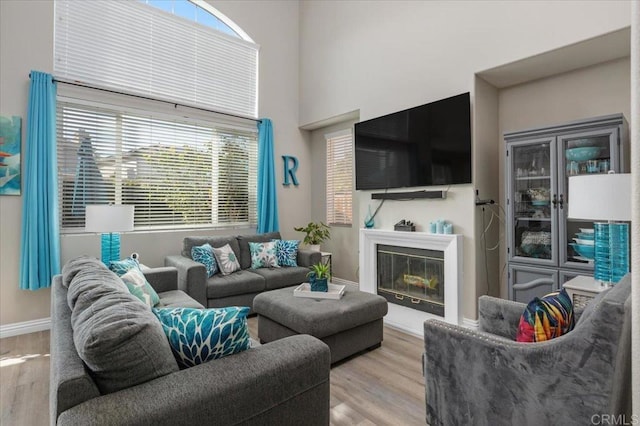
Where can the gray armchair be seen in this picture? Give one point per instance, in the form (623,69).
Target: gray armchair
(487,378)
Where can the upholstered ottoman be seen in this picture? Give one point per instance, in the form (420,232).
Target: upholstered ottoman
(348,325)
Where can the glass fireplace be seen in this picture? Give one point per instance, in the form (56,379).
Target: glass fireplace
(412,277)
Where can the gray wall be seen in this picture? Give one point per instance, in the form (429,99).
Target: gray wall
(344,258)
(26,43)
(385,56)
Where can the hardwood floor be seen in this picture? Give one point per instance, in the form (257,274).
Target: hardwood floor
(380,387)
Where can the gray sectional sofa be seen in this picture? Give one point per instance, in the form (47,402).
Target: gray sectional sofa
(240,287)
(130,376)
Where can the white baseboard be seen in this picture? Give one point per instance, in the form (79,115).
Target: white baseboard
(340,281)
(470,323)
(25,327)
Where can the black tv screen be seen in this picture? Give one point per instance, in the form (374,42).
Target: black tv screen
(422,146)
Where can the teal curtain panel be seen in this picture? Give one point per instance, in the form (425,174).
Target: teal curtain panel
(267,200)
(40,243)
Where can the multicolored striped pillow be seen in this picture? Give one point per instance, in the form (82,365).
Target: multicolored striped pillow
(546,318)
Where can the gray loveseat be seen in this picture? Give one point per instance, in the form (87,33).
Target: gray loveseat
(487,378)
(240,287)
(284,382)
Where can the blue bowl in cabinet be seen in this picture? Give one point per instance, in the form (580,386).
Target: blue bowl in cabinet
(584,251)
(583,153)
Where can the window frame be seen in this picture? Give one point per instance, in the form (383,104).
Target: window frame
(344,136)
(124,104)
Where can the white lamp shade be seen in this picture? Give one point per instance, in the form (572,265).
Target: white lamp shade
(109,218)
(600,197)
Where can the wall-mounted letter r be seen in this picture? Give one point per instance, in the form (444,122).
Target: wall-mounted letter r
(290,167)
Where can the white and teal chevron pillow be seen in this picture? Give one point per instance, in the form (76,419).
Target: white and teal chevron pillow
(227,259)
(200,335)
(204,254)
(287,252)
(263,255)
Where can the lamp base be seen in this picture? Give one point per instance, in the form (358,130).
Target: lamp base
(611,252)
(110,244)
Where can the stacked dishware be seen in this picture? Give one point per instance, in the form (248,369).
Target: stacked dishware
(584,244)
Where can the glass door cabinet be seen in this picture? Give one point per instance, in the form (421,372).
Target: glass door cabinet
(543,245)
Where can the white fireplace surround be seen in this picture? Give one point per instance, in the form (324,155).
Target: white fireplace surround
(401,317)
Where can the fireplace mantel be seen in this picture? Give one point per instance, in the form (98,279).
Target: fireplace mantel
(401,317)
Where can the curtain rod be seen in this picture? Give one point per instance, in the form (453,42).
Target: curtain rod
(175,104)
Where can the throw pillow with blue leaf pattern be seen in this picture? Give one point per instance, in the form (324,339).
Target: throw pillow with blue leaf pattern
(121,267)
(204,254)
(287,252)
(200,335)
(263,255)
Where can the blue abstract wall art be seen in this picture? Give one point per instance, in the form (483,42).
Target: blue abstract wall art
(10,142)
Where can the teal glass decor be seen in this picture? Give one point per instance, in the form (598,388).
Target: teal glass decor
(611,251)
(110,245)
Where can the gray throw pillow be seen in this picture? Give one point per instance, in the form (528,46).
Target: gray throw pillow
(227,260)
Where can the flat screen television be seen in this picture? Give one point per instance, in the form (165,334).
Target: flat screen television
(422,146)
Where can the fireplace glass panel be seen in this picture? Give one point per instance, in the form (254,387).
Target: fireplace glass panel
(412,277)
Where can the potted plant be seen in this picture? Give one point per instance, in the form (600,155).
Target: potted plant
(316,233)
(319,277)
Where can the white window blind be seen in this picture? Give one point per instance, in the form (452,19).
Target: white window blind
(340,178)
(176,171)
(137,48)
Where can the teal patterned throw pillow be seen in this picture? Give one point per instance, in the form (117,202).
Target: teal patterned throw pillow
(227,259)
(140,287)
(287,252)
(200,335)
(121,267)
(204,254)
(263,255)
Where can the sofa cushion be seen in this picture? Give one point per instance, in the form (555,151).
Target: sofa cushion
(263,255)
(240,282)
(120,341)
(81,263)
(283,277)
(204,254)
(200,335)
(91,282)
(287,252)
(243,243)
(177,299)
(189,242)
(140,287)
(546,318)
(226,259)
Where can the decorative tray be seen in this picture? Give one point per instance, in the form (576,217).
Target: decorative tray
(304,290)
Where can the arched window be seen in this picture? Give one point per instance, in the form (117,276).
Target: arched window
(133,47)
(179,166)
(201,12)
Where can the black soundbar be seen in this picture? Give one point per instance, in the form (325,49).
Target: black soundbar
(408,195)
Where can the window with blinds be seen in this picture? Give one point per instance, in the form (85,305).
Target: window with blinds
(137,48)
(340,178)
(176,171)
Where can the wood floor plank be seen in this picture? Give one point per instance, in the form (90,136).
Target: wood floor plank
(380,387)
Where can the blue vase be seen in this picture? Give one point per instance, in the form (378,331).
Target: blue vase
(368,220)
(611,251)
(320,284)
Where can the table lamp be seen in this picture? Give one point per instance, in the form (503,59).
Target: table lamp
(604,197)
(109,219)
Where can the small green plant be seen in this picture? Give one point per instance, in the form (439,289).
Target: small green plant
(320,270)
(316,233)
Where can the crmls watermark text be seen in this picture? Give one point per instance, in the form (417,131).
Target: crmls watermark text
(615,419)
